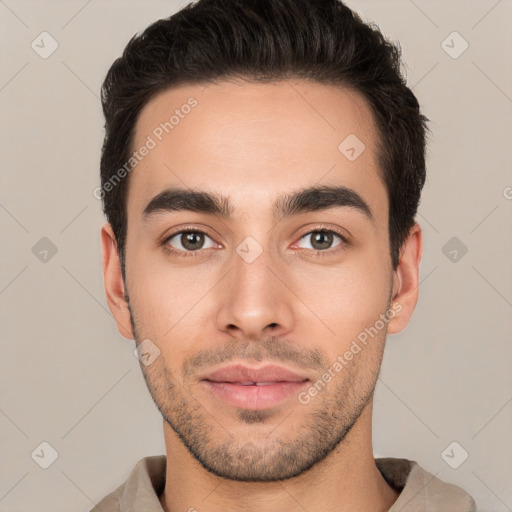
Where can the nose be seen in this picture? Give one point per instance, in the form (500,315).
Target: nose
(255,301)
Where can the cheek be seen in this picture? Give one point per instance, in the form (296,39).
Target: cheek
(347,299)
(164,296)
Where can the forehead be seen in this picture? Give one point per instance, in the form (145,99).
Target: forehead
(254,141)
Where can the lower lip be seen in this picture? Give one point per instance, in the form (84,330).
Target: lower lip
(254,397)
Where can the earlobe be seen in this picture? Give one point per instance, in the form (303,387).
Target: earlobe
(406,280)
(114,284)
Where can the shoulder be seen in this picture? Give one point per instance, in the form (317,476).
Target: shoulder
(143,485)
(421,490)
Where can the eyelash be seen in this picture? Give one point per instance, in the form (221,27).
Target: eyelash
(316,253)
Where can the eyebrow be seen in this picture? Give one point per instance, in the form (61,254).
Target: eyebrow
(310,199)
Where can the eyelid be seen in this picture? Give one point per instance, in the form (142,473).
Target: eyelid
(331,229)
(188,229)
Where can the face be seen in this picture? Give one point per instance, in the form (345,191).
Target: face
(258,268)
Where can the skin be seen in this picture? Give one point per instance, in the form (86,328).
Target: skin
(252,143)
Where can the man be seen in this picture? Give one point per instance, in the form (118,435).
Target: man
(261,171)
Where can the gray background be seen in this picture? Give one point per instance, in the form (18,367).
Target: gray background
(69,379)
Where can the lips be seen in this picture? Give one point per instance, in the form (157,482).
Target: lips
(254,389)
(256,383)
(243,375)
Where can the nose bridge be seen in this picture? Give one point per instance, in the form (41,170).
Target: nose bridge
(252,277)
(255,302)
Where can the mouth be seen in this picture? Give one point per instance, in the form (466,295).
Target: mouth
(254,388)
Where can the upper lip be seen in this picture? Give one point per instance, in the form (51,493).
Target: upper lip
(241,373)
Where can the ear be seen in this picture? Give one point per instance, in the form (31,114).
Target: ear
(406,281)
(114,285)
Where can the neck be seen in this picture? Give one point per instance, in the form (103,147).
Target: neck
(346,480)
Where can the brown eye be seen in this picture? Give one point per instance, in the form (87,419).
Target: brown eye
(190,241)
(322,240)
